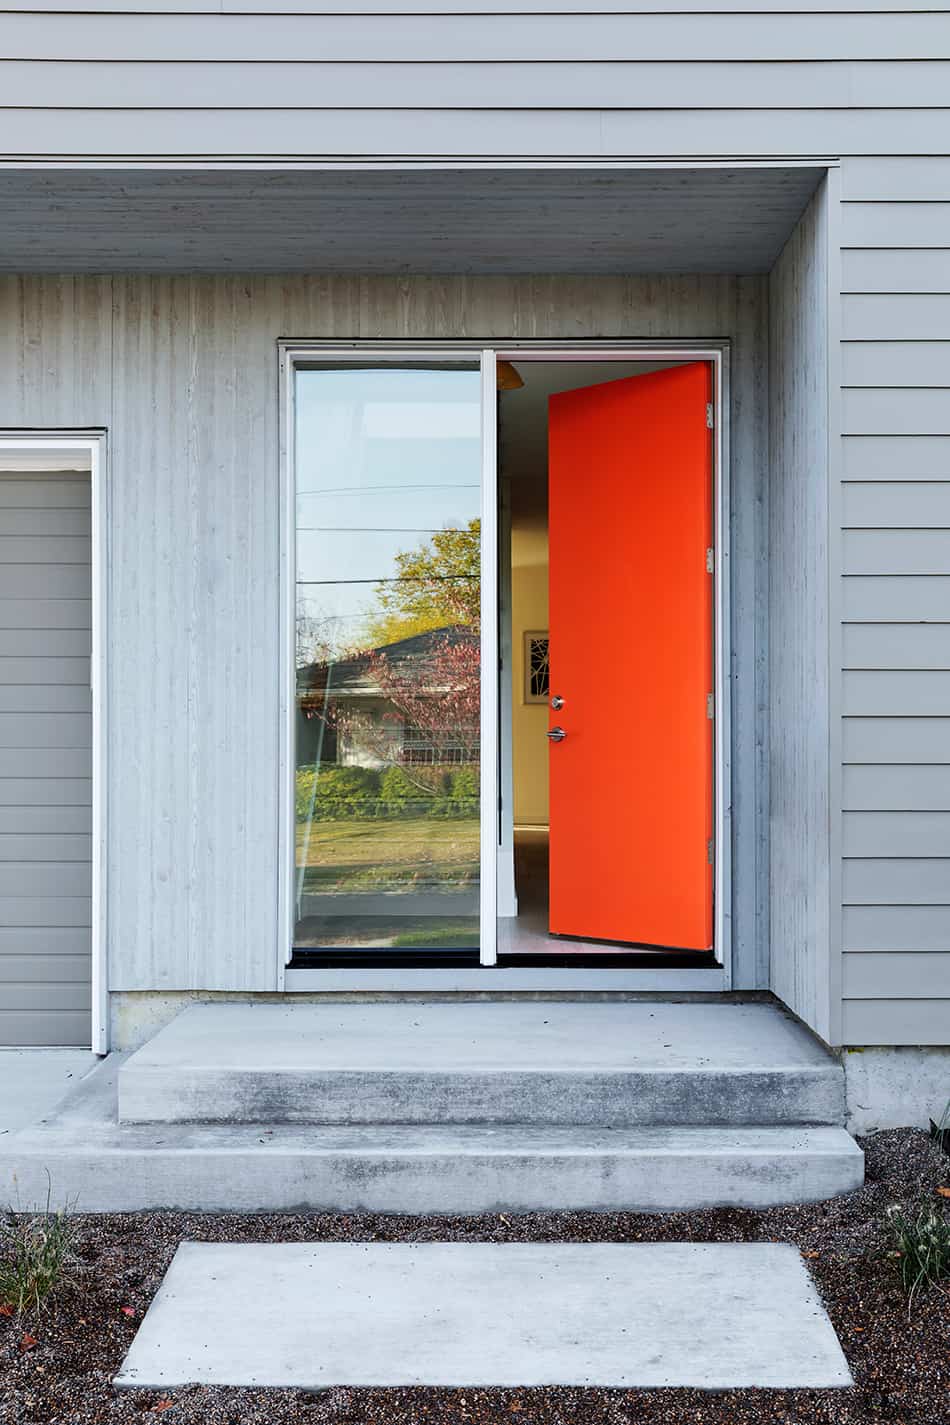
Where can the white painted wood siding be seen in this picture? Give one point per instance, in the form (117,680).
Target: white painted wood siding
(182,371)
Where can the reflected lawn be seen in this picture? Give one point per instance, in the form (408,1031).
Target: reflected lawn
(399,855)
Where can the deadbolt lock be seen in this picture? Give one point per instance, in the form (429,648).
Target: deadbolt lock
(557,703)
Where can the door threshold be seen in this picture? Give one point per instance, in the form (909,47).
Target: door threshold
(605,976)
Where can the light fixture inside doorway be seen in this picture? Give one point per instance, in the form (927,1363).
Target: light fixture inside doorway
(508,376)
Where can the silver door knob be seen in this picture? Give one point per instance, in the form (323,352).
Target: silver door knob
(557,734)
(557,703)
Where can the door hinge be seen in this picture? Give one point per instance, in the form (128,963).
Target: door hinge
(710,561)
(711,851)
(710,705)
(710,416)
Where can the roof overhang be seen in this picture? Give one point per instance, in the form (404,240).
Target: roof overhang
(479,221)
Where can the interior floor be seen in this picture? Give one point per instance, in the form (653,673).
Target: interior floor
(527,932)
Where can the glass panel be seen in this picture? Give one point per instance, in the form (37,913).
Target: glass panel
(388,465)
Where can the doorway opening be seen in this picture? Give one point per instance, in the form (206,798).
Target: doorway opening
(607,636)
(505,734)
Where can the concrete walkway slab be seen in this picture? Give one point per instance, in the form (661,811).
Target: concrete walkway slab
(713,1316)
(33,1081)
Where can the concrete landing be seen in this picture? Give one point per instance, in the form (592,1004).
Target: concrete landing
(108,1166)
(713,1316)
(34,1081)
(577,1063)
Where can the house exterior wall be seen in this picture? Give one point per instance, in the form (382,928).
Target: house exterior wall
(865,84)
(802,947)
(182,372)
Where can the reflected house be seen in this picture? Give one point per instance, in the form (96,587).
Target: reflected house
(409,703)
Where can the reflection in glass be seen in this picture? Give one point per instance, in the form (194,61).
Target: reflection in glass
(388,463)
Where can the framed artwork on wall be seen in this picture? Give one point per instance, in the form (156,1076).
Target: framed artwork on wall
(536,682)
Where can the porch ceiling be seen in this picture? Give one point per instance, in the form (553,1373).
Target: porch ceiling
(469,221)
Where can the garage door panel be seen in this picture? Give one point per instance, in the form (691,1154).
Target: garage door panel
(24,1028)
(44,581)
(65,940)
(43,669)
(42,697)
(43,821)
(48,492)
(45,642)
(36,792)
(30,520)
(45,548)
(39,613)
(44,880)
(43,969)
(45,763)
(51,910)
(45,730)
(45,759)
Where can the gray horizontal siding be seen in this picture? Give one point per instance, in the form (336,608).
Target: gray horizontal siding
(903,599)
(891,505)
(896,645)
(897,881)
(606,84)
(897,787)
(452,37)
(896,739)
(896,833)
(895,556)
(896,693)
(881,178)
(895,316)
(895,1021)
(903,974)
(915,412)
(913,457)
(485,7)
(896,363)
(895,225)
(896,551)
(463,135)
(885,928)
(895,270)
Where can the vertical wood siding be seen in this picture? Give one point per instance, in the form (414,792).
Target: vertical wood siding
(799,691)
(183,372)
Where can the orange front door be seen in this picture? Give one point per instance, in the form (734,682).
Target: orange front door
(631,654)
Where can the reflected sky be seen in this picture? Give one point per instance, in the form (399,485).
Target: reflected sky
(383,458)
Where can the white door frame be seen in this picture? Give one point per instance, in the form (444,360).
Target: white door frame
(91,447)
(510,977)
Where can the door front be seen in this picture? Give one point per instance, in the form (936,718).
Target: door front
(631,660)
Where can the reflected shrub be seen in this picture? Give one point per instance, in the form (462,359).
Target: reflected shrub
(335,793)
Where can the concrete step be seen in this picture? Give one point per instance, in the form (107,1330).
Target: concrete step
(107,1166)
(578,1063)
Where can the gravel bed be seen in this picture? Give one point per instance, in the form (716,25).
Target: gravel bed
(900,1360)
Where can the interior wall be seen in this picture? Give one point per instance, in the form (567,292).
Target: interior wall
(529,613)
(799,691)
(181,371)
